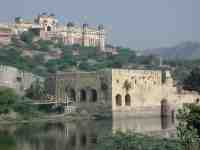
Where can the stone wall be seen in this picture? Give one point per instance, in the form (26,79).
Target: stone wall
(135,92)
(135,88)
(141,92)
(83,87)
(11,77)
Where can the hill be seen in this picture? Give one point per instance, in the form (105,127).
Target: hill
(186,50)
(42,57)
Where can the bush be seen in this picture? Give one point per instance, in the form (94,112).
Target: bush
(133,141)
(188,129)
(8,99)
(25,107)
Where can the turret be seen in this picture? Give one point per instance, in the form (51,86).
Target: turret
(101,37)
(85,41)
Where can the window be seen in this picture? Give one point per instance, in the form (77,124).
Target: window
(118,100)
(128,100)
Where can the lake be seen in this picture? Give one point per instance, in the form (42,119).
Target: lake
(80,135)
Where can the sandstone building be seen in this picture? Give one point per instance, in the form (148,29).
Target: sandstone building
(49,28)
(137,91)
(5,34)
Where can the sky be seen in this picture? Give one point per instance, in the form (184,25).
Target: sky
(137,24)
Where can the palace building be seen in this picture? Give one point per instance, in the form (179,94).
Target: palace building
(5,34)
(140,92)
(49,28)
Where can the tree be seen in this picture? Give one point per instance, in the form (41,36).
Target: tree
(192,82)
(189,115)
(8,99)
(188,129)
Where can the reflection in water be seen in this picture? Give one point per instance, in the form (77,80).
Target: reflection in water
(74,136)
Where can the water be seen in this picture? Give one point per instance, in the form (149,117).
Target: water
(75,135)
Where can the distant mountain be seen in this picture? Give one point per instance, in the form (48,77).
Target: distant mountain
(185,50)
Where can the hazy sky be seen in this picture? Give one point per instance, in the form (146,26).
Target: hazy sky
(132,23)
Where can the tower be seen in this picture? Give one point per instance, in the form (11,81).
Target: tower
(101,35)
(85,40)
(47,22)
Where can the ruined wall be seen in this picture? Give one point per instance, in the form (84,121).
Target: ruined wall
(11,77)
(83,87)
(138,85)
(142,91)
(135,92)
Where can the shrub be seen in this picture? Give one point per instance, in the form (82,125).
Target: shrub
(134,141)
(8,99)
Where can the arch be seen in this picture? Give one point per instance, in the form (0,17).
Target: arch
(128,100)
(48,28)
(83,95)
(94,95)
(118,100)
(72,95)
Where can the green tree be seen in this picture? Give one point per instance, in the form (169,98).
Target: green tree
(192,82)
(188,129)
(8,99)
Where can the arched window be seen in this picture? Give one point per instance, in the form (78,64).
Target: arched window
(83,95)
(128,100)
(48,28)
(93,97)
(118,99)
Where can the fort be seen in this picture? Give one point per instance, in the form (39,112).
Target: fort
(135,92)
(47,27)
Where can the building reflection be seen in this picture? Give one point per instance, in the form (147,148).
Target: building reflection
(79,135)
(142,125)
(61,136)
